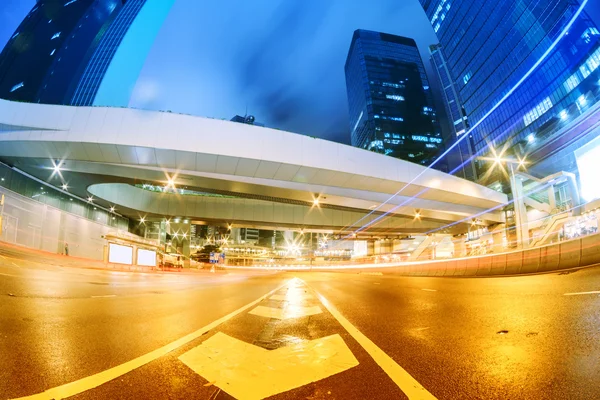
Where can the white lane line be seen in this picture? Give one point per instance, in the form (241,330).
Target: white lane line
(429,290)
(580,293)
(93,381)
(103,296)
(411,388)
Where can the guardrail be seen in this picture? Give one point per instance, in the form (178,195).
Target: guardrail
(575,253)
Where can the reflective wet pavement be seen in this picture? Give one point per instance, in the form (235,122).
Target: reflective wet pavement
(325,336)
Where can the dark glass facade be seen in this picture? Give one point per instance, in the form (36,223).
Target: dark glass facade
(96,68)
(459,159)
(489,47)
(46,56)
(390,102)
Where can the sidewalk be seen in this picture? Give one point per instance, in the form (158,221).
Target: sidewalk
(15,252)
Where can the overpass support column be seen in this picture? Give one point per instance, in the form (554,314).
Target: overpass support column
(522,225)
(574,192)
(370,247)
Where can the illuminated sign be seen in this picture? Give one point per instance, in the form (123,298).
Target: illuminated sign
(120,254)
(146,258)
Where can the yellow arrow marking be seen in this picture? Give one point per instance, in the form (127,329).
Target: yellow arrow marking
(286,313)
(249,372)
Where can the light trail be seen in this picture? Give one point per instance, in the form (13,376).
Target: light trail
(506,96)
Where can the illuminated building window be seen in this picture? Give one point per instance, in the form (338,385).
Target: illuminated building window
(17,86)
(394,97)
(537,111)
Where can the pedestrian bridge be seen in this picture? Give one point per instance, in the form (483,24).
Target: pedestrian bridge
(231,172)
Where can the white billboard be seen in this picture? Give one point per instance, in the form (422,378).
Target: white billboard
(146,258)
(120,254)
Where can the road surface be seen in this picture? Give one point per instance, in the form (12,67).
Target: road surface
(92,334)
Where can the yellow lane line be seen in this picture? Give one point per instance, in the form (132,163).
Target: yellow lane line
(411,388)
(580,293)
(93,381)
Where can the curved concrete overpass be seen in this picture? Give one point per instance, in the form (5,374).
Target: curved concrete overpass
(106,150)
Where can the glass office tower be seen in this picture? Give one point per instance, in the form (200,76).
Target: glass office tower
(460,159)
(112,72)
(390,102)
(45,57)
(490,45)
(80,52)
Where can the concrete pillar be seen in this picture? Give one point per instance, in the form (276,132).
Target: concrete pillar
(574,192)
(552,198)
(522,225)
(370,247)
(135,255)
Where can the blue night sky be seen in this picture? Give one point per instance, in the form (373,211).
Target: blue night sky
(283,60)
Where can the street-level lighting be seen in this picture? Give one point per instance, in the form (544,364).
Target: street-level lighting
(417,215)
(90,199)
(65,186)
(112,209)
(316,202)
(142,220)
(531,138)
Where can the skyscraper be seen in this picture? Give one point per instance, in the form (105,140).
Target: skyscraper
(460,159)
(46,54)
(390,102)
(490,46)
(80,52)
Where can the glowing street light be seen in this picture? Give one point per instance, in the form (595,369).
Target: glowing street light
(112,209)
(417,215)
(142,220)
(316,202)
(65,186)
(90,199)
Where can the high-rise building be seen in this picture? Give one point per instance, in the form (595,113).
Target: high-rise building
(47,52)
(81,52)
(389,98)
(491,46)
(459,160)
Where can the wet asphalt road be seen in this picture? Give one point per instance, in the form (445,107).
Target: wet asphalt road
(59,325)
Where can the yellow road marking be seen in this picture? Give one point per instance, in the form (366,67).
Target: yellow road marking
(287,312)
(403,379)
(429,290)
(93,381)
(579,293)
(249,372)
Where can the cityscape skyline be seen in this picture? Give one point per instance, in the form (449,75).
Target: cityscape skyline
(325,116)
(238,75)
